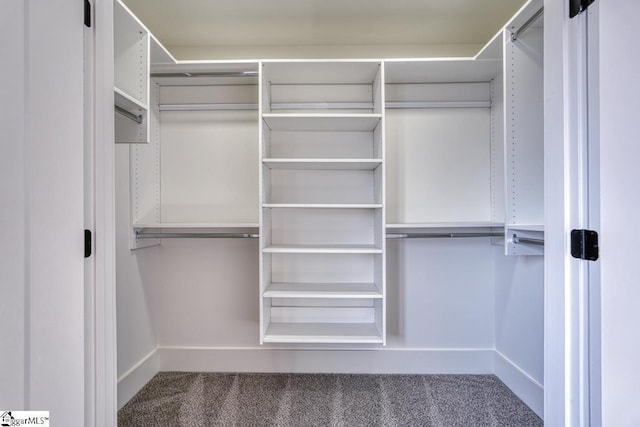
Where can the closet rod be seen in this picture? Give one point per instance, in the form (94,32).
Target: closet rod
(441,235)
(526,25)
(128,114)
(208,74)
(145,235)
(527,240)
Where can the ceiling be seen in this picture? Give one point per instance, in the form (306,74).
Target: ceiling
(264,23)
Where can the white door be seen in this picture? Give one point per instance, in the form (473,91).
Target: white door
(618,112)
(42,208)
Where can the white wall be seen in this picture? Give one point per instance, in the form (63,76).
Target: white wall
(13,207)
(620,202)
(209,300)
(42,210)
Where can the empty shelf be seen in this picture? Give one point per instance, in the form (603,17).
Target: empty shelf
(127,102)
(324,205)
(322,290)
(322,249)
(322,122)
(364,164)
(362,333)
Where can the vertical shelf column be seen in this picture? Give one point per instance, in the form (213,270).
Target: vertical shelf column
(322,233)
(524,133)
(131,76)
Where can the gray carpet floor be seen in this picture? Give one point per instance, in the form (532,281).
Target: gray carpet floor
(205,399)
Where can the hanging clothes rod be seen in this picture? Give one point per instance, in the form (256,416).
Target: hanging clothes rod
(441,235)
(128,114)
(144,235)
(526,25)
(527,240)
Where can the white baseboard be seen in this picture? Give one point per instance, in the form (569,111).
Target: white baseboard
(526,388)
(379,361)
(135,378)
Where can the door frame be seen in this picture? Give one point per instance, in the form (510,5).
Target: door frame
(104,310)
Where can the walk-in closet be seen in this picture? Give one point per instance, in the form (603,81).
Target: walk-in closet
(361,216)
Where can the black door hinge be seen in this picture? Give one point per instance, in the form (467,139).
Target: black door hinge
(584,244)
(578,6)
(87,243)
(87,13)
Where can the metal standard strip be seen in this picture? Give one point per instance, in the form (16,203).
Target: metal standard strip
(144,235)
(526,25)
(527,240)
(440,235)
(128,114)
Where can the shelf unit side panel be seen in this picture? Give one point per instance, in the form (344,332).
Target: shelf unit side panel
(144,164)
(498,186)
(524,128)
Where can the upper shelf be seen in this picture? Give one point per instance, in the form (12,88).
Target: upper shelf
(322,122)
(320,72)
(450,70)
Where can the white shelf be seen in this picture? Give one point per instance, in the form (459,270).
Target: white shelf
(439,225)
(322,249)
(323,333)
(525,227)
(127,102)
(197,227)
(322,290)
(322,122)
(323,205)
(360,164)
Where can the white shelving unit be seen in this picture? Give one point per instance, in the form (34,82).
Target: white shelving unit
(204,158)
(524,132)
(131,45)
(443,153)
(322,238)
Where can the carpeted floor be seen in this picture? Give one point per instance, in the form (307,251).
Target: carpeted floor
(203,399)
